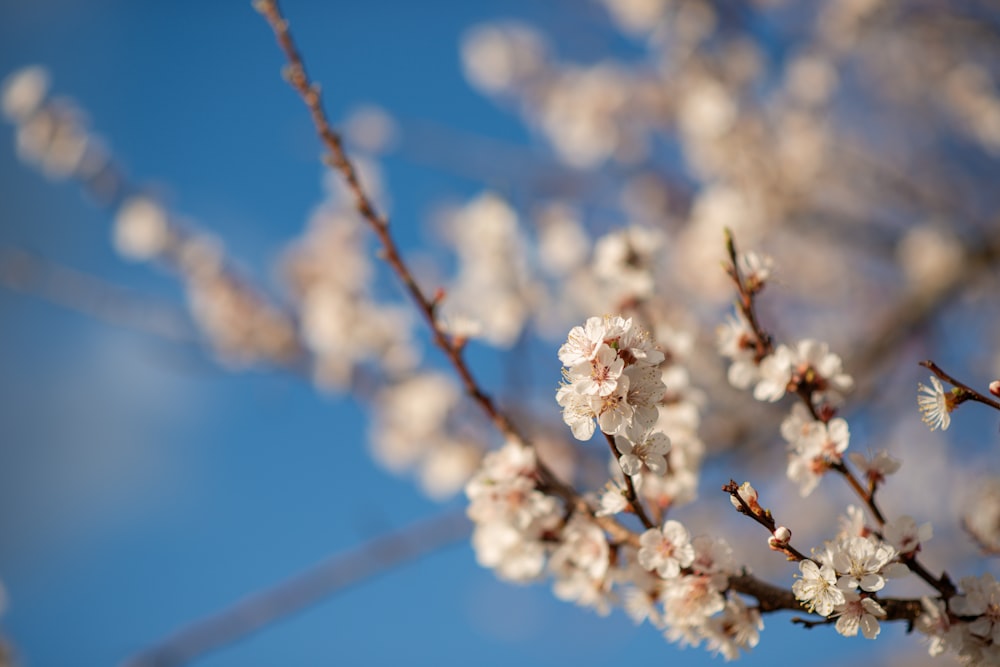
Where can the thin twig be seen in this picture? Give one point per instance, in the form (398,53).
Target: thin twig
(297,76)
(763,517)
(966,393)
(804,390)
(630,495)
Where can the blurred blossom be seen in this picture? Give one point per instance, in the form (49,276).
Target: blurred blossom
(707,110)
(930,256)
(371,129)
(973,98)
(563,243)
(493,285)
(580,114)
(644,197)
(811,79)
(330,272)
(23,92)
(141,230)
(637,16)
(497,58)
(698,248)
(447,467)
(982,516)
(625,261)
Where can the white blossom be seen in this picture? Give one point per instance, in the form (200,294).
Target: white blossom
(817,589)
(860,561)
(141,230)
(642,448)
(666,549)
(23,92)
(905,535)
(858,613)
(934,405)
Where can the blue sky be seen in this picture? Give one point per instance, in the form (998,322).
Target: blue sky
(141,486)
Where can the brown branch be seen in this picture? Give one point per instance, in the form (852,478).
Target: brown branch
(338,573)
(763,517)
(966,393)
(296,75)
(771,598)
(764,345)
(336,157)
(630,494)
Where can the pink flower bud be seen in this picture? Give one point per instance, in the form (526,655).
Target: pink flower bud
(995,387)
(782,535)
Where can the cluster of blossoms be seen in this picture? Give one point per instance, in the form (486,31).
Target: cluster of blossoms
(416,428)
(809,366)
(612,377)
(515,521)
(676,583)
(844,579)
(493,291)
(839,582)
(968,625)
(690,583)
(816,440)
(328,294)
(242,325)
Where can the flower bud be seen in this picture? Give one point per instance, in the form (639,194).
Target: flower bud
(749,495)
(995,387)
(782,535)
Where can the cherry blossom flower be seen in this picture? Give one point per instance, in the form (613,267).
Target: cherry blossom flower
(775,374)
(876,468)
(583,342)
(818,447)
(641,448)
(614,412)
(816,588)
(666,549)
(689,602)
(755,269)
(936,623)
(645,389)
(904,534)
(858,613)
(737,628)
(583,549)
(735,339)
(852,523)
(598,376)
(578,412)
(860,562)
(612,500)
(713,557)
(823,369)
(935,406)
